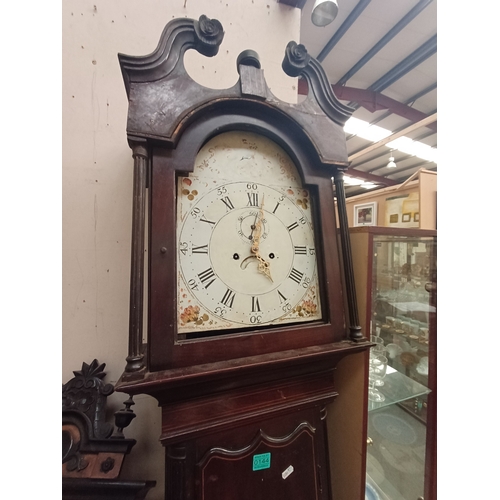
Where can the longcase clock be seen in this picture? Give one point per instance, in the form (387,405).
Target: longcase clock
(251,300)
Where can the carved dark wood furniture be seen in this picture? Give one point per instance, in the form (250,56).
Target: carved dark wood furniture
(105,489)
(243,408)
(93,451)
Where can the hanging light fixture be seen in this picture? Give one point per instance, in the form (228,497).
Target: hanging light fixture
(324,12)
(392,163)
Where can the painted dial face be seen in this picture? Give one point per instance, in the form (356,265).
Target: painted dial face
(246,255)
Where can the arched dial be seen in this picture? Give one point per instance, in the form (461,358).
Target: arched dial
(247,257)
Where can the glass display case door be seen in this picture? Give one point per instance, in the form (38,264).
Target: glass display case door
(400,314)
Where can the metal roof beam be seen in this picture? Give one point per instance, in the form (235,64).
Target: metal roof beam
(418,95)
(412,14)
(409,101)
(351,18)
(376,179)
(417,57)
(374,101)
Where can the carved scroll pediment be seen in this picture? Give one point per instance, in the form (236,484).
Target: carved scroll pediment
(297,62)
(179,35)
(164,99)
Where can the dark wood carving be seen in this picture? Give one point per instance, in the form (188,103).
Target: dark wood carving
(86,393)
(105,489)
(162,95)
(298,62)
(89,447)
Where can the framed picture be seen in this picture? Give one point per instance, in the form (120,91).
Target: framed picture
(366,214)
(401,210)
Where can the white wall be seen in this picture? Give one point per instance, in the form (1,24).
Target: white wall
(97,170)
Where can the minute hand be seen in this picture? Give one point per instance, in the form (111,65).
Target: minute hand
(264,266)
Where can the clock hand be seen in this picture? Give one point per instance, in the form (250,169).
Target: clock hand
(264,266)
(257,228)
(253,226)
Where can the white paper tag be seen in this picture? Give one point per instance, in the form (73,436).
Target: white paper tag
(287,472)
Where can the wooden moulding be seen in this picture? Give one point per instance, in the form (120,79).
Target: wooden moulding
(242,406)
(195,381)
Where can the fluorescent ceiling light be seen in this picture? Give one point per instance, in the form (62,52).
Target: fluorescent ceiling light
(374,134)
(414,148)
(365,130)
(354,181)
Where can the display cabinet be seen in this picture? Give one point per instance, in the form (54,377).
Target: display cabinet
(395,277)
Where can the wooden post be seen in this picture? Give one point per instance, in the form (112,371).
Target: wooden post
(135,358)
(354,326)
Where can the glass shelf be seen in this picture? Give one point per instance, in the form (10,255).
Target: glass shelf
(397,388)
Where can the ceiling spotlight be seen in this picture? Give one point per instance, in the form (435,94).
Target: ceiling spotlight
(324,12)
(391,163)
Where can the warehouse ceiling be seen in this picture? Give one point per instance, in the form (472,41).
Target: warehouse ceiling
(380,57)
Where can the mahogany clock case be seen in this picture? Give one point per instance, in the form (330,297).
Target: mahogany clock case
(166,164)
(170,118)
(253,395)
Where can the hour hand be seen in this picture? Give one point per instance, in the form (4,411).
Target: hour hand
(264,266)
